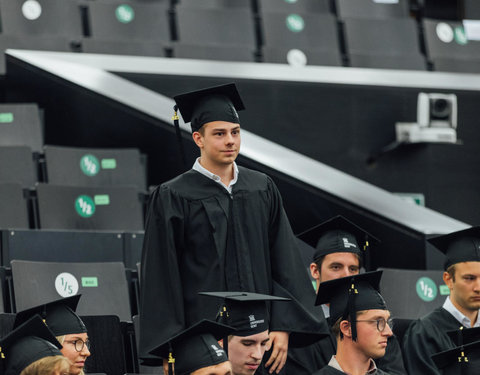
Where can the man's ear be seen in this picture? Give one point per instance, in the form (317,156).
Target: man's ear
(314,271)
(448,280)
(346,328)
(220,342)
(198,139)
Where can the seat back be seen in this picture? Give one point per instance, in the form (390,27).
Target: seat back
(17,165)
(42,17)
(94,167)
(103,286)
(299,6)
(411,294)
(61,246)
(14,206)
(20,125)
(372,9)
(93,208)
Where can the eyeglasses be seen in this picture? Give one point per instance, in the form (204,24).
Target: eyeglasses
(80,344)
(381,323)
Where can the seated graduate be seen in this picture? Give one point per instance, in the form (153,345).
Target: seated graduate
(67,326)
(361,323)
(428,335)
(341,247)
(32,349)
(249,315)
(196,351)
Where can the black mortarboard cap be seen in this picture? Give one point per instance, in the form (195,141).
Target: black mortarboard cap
(461,246)
(351,294)
(59,315)
(246,312)
(462,360)
(26,344)
(219,103)
(337,235)
(464,335)
(196,347)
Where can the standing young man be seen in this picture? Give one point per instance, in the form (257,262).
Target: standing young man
(428,335)
(219,226)
(360,321)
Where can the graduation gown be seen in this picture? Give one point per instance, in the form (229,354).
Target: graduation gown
(200,238)
(425,337)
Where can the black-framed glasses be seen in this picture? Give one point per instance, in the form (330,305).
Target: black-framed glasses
(79,344)
(381,323)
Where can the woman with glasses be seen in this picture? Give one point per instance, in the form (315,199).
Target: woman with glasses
(68,328)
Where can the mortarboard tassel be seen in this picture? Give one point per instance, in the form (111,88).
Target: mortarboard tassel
(366,255)
(179,135)
(171,360)
(352,292)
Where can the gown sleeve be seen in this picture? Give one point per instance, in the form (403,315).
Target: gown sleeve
(161,301)
(290,279)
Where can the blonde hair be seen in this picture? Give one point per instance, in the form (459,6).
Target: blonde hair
(61,339)
(48,365)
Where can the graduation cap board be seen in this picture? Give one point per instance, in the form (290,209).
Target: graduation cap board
(462,360)
(195,348)
(464,335)
(351,294)
(26,344)
(461,246)
(59,316)
(218,103)
(337,235)
(246,312)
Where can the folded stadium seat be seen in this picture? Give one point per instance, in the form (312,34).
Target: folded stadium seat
(288,6)
(133,28)
(103,286)
(17,164)
(20,126)
(14,207)
(121,47)
(214,34)
(133,243)
(372,9)
(6,323)
(61,246)
(411,294)
(216,4)
(143,369)
(449,49)
(400,327)
(41,17)
(95,167)
(107,345)
(300,39)
(93,208)
(383,43)
(40,43)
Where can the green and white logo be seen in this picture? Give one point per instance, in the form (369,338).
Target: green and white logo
(90,282)
(84,206)
(291,1)
(89,165)
(124,13)
(31,10)
(426,289)
(66,284)
(460,35)
(295,23)
(6,117)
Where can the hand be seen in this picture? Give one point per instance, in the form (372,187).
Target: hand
(279,341)
(165,367)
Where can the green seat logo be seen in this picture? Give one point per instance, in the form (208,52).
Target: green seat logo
(460,35)
(124,13)
(426,289)
(295,23)
(291,1)
(89,165)
(85,206)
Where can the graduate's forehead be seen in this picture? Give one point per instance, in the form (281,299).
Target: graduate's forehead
(374,314)
(467,268)
(220,125)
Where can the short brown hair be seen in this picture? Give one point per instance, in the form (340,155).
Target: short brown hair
(336,327)
(451,271)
